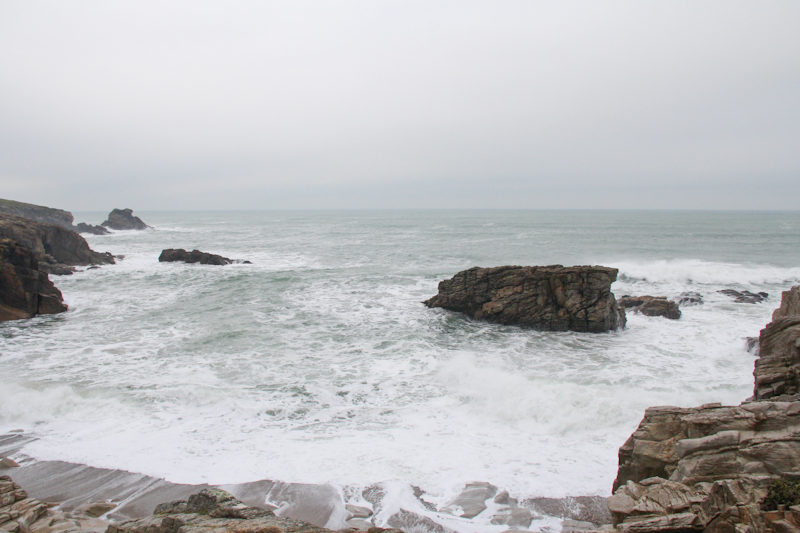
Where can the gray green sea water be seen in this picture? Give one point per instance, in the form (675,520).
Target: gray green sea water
(318,363)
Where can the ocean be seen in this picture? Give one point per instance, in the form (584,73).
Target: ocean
(317,363)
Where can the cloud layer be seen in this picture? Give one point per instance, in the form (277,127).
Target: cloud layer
(259,105)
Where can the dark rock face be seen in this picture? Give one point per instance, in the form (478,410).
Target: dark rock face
(777,369)
(38,213)
(83,227)
(708,468)
(173,255)
(552,298)
(25,291)
(651,306)
(214,510)
(123,219)
(745,297)
(57,249)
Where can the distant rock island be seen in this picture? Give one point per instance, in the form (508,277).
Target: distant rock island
(173,255)
(550,298)
(123,219)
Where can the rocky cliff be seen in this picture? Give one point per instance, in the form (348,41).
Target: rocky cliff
(56,248)
(553,298)
(710,468)
(25,291)
(38,213)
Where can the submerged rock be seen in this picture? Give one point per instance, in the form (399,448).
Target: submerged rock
(25,291)
(709,468)
(690,298)
(651,306)
(173,255)
(745,297)
(550,298)
(123,219)
(57,249)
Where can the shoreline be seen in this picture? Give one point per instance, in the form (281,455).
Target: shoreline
(70,486)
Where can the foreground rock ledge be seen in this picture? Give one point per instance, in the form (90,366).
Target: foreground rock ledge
(709,468)
(550,298)
(217,511)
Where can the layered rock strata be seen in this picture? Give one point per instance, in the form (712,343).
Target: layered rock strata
(123,219)
(709,468)
(21,514)
(174,255)
(25,291)
(651,306)
(552,298)
(56,248)
(216,511)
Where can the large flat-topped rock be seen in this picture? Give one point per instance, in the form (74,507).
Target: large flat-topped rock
(551,298)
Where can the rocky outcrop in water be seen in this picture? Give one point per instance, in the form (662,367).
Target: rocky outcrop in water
(651,306)
(745,297)
(173,255)
(551,298)
(123,219)
(709,468)
(25,291)
(57,249)
(21,514)
(216,511)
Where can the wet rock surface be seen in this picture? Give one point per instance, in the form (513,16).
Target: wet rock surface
(22,514)
(173,255)
(651,306)
(25,291)
(217,511)
(551,298)
(123,219)
(745,297)
(709,468)
(57,249)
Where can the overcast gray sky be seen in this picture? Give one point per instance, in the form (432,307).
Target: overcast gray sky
(400,104)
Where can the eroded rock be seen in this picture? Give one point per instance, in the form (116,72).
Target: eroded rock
(552,298)
(651,306)
(173,255)
(57,249)
(123,219)
(745,297)
(25,291)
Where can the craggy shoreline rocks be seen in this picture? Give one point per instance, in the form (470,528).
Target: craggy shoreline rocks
(25,291)
(22,514)
(551,298)
(709,468)
(123,219)
(49,215)
(56,248)
(175,255)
